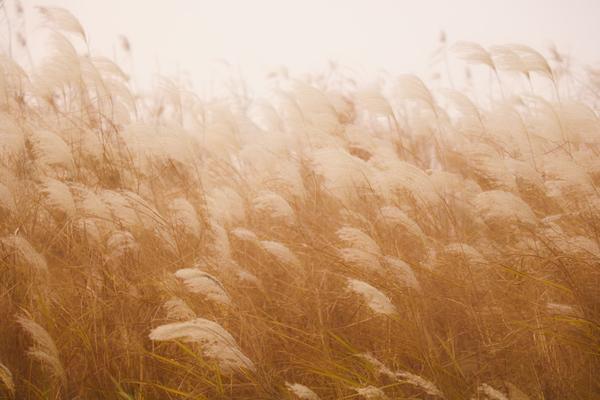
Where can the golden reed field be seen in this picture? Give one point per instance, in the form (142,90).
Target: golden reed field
(325,242)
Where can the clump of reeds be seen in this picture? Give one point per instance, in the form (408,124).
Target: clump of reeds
(329,241)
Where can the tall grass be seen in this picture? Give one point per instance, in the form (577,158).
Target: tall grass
(329,242)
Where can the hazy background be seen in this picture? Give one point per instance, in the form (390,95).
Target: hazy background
(175,37)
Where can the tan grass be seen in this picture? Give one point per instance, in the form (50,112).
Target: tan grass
(328,241)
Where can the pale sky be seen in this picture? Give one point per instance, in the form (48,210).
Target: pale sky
(398,36)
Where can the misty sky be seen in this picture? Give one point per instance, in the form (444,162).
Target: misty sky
(398,36)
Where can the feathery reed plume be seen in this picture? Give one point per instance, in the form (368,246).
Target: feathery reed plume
(89,229)
(215,341)
(412,87)
(490,393)
(506,59)
(403,376)
(58,196)
(63,20)
(25,254)
(371,393)
(123,214)
(499,207)
(121,243)
(184,216)
(178,309)
(6,378)
(7,200)
(395,178)
(358,240)
(465,252)
(225,206)
(473,53)
(402,272)
(198,281)
(43,349)
(221,247)
(301,391)
(360,258)
(532,60)
(380,367)
(561,309)
(343,174)
(373,101)
(275,206)
(420,382)
(281,253)
(49,149)
(89,204)
(393,216)
(375,299)
(244,234)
